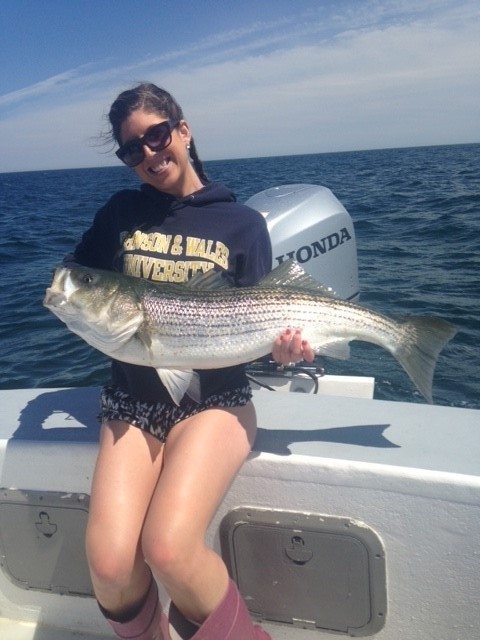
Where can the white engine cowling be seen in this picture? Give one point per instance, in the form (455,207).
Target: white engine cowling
(309,224)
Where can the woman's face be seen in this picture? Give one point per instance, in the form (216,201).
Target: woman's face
(168,170)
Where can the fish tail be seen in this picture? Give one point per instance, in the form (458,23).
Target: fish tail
(421,342)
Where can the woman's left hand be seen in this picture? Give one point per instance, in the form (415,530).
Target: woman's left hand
(289,348)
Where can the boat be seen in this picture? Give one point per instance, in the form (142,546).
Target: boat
(352,516)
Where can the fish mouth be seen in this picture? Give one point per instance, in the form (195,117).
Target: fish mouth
(54,298)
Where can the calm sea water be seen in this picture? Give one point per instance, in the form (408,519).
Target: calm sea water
(417,220)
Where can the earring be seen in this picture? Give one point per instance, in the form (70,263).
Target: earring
(188,147)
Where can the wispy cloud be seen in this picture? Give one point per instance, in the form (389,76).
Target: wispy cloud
(207,50)
(379,74)
(39,88)
(319,27)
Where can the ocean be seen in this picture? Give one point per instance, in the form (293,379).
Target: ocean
(416,213)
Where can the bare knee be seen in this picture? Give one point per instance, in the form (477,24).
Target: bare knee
(109,568)
(110,563)
(169,553)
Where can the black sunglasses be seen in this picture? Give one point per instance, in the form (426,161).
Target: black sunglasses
(157,138)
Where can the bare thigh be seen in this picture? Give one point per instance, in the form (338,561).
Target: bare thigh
(202,457)
(127,470)
(152,503)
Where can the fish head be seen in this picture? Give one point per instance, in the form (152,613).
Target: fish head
(100,306)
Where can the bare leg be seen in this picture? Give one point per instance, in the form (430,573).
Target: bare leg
(202,456)
(126,473)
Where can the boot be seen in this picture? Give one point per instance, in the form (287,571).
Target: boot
(179,626)
(149,623)
(230,620)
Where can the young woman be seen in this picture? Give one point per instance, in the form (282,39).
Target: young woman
(163,468)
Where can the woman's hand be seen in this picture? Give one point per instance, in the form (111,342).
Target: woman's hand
(289,348)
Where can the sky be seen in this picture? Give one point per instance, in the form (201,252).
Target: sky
(254,77)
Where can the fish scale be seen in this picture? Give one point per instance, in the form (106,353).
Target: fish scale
(207,325)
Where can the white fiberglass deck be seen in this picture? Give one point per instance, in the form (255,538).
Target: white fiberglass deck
(409,472)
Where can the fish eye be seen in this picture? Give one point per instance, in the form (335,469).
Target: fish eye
(87,278)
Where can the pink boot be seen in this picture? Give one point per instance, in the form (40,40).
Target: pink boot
(230,620)
(148,624)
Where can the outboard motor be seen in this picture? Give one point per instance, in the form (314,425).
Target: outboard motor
(308,223)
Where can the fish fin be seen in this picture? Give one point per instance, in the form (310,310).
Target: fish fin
(179,382)
(194,389)
(419,350)
(210,280)
(338,349)
(290,273)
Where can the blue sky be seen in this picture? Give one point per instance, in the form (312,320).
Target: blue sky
(254,78)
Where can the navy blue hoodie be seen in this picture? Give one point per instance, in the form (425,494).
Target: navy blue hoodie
(150,234)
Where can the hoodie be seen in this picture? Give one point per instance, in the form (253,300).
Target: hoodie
(150,234)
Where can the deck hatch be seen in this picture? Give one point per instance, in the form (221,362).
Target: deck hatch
(42,540)
(307,570)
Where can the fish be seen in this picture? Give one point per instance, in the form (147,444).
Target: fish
(207,323)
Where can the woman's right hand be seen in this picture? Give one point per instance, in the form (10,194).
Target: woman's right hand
(290,348)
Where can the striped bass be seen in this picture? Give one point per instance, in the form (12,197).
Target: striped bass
(208,324)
